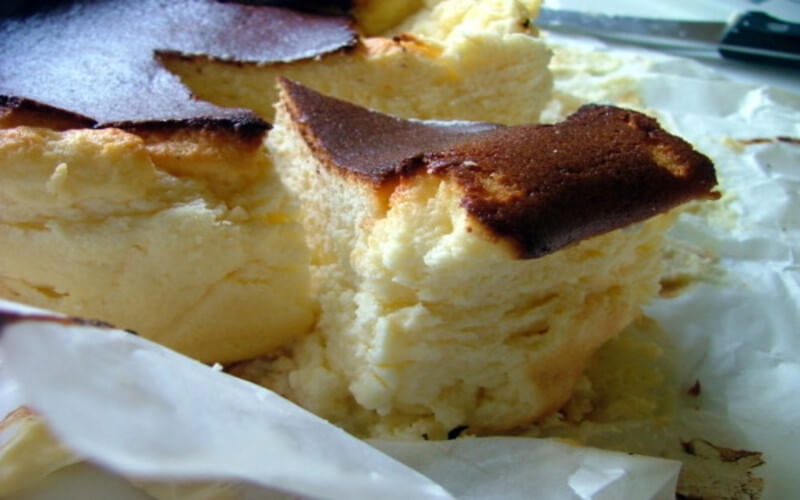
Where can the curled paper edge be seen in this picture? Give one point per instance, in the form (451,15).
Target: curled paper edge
(132,420)
(142,410)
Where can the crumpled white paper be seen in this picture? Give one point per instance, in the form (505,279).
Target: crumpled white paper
(141,410)
(146,412)
(739,334)
(513,467)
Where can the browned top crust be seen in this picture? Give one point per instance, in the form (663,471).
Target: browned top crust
(540,187)
(15,111)
(95,58)
(372,145)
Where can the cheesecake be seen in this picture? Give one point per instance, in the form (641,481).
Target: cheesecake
(468,271)
(136,186)
(416,269)
(451,60)
(125,198)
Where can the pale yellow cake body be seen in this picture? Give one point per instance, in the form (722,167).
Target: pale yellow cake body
(428,323)
(190,242)
(445,19)
(434,18)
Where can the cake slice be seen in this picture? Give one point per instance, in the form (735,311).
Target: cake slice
(182,234)
(467,272)
(124,197)
(454,60)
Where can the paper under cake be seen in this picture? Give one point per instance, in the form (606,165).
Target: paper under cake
(460,278)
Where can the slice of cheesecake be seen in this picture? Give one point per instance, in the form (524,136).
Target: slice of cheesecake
(468,271)
(182,234)
(125,198)
(453,60)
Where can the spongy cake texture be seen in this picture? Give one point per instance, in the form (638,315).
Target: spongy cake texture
(164,233)
(430,322)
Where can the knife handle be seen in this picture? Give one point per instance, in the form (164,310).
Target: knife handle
(759,37)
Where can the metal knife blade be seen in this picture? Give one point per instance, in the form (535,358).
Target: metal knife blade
(751,36)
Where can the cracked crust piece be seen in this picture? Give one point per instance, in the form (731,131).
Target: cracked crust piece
(430,319)
(712,472)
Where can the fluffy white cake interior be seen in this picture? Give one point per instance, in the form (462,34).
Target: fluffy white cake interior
(427,322)
(188,239)
(445,19)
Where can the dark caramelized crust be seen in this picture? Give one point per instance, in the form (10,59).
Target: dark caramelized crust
(540,187)
(243,128)
(369,144)
(15,111)
(96,58)
(550,185)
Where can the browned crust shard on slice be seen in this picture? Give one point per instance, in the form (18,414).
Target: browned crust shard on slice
(539,187)
(16,111)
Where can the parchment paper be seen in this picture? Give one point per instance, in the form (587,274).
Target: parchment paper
(146,412)
(737,333)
